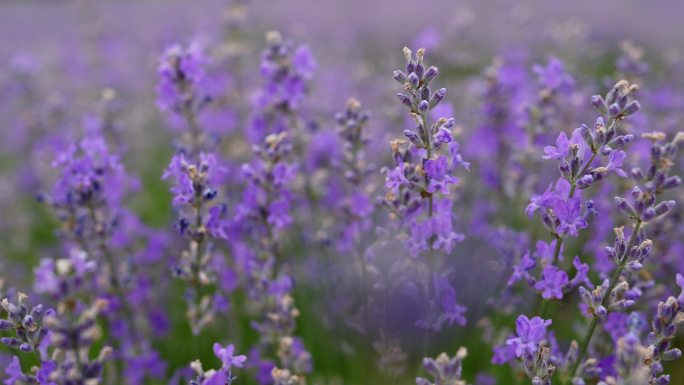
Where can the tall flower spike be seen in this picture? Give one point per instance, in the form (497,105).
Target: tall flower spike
(183,92)
(563,214)
(645,208)
(201,220)
(287,70)
(420,182)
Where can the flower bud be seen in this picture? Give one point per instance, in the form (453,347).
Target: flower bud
(430,74)
(614,110)
(648,214)
(413,79)
(423,106)
(585,181)
(437,97)
(624,206)
(405,100)
(400,76)
(631,108)
(672,182)
(598,103)
(672,355)
(663,207)
(5,324)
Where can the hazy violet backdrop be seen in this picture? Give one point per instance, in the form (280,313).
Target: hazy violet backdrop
(354,192)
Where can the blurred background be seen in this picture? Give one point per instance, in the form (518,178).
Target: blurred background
(64,60)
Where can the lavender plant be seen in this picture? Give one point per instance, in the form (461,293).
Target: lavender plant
(279,245)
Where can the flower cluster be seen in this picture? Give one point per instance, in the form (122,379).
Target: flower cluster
(183,91)
(88,194)
(201,220)
(223,375)
(355,206)
(420,173)
(263,215)
(272,227)
(444,370)
(61,341)
(287,70)
(27,326)
(531,347)
(668,316)
(553,282)
(88,199)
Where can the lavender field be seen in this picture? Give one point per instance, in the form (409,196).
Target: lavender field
(291,192)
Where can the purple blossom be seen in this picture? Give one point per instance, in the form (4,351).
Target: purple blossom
(437,172)
(530,333)
(520,270)
(227,358)
(560,151)
(553,76)
(14,372)
(615,162)
(555,192)
(452,312)
(571,218)
(552,282)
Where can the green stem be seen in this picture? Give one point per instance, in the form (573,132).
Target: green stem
(613,282)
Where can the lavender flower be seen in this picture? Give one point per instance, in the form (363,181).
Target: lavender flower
(444,370)
(287,70)
(412,184)
(27,326)
(630,254)
(183,91)
(223,375)
(201,220)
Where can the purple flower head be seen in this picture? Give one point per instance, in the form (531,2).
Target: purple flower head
(45,372)
(456,158)
(181,74)
(530,333)
(287,70)
(680,282)
(560,151)
(227,357)
(452,312)
(520,270)
(304,62)
(582,274)
(570,215)
(437,173)
(553,76)
(615,160)
(396,178)
(193,182)
(14,373)
(544,251)
(442,136)
(555,192)
(552,282)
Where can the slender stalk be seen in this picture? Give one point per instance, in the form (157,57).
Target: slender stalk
(199,240)
(117,288)
(613,282)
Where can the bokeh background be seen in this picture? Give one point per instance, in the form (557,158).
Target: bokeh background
(63,55)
